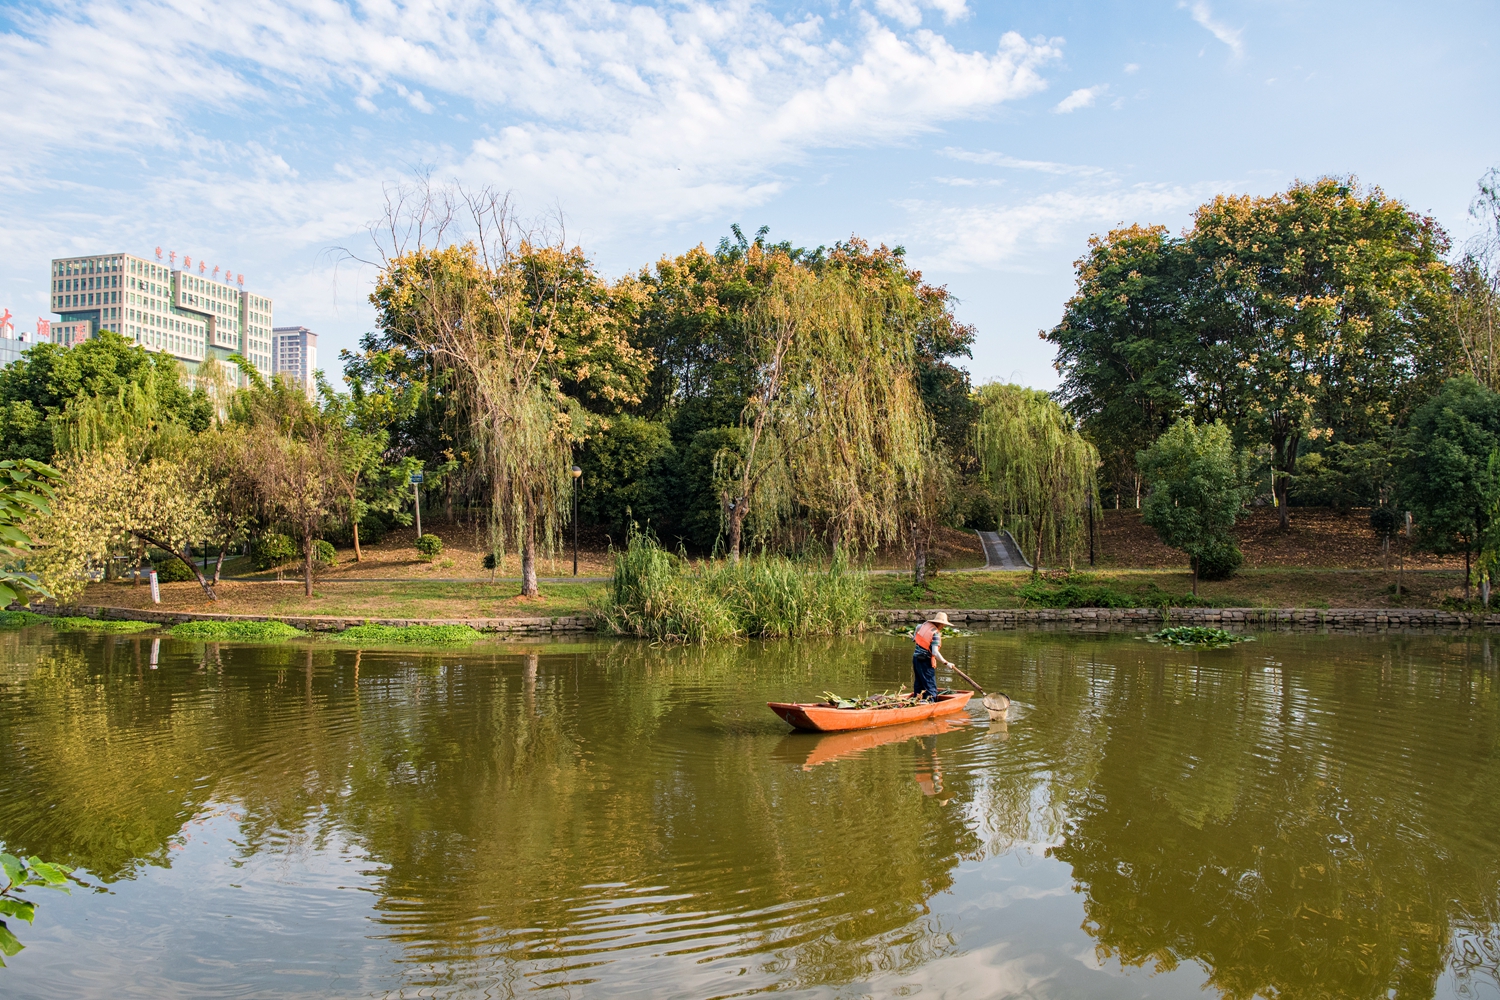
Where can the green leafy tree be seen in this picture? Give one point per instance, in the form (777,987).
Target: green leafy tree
(37,389)
(628,476)
(1446,480)
(1197,486)
(1041,468)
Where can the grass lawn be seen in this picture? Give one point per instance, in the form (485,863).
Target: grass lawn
(1256,588)
(406,599)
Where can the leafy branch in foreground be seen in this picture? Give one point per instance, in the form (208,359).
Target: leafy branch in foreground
(25,490)
(21,874)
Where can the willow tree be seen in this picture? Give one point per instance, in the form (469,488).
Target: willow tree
(834,421)
(1040,466)
(523,328)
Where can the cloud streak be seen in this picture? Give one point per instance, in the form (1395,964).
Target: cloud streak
(1083,97)
(1204,16)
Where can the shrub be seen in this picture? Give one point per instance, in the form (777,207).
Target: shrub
(243,631)
(324,554)
(429,546)
(489,561)
(271,550)
(170,569)
(1219,559)
(652,595)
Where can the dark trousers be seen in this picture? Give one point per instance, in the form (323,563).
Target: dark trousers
(924,677)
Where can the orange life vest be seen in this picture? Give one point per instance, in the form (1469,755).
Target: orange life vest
(924,635)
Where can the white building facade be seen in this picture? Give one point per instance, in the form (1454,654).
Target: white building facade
(295,354)
(192,316)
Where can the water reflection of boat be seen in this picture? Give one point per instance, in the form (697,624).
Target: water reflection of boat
(820,717)
(811,749)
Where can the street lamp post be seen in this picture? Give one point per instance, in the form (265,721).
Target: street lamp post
(577,475)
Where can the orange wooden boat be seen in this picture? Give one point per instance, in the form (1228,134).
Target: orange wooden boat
(820,717)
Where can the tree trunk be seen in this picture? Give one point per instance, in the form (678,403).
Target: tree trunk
(358,556)
(1036,562)
(307,560)
(1194,560)
(1284,445)
(528,551)
(219,565)
(1466,572)
(919,563)
(187,560)
(736,527)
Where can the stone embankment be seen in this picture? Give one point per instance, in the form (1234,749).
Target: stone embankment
(1149,619)
(332,623)
(1068,619)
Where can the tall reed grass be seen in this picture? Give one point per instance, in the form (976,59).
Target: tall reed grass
(659,596)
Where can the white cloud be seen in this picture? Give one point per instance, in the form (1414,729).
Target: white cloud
(263,131)
(1132,67)
(1205,17)
(992,159)
(1083,97)
(909,12)
(963,238)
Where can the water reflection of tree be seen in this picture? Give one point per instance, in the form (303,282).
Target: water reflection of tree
(1324,831)
(515,805)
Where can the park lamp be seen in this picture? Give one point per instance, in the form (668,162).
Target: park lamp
(577,475)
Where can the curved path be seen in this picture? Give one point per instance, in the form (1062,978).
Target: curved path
(1001,551)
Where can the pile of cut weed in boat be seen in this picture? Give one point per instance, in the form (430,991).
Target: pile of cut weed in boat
(883,700)
(658,595)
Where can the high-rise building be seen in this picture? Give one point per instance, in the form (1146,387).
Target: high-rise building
(191,316)
(294,350)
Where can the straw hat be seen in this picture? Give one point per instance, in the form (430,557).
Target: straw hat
(940,618)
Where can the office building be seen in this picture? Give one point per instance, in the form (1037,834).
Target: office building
(294,350)
(192,316)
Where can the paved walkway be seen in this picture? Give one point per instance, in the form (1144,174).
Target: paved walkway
(1001,551)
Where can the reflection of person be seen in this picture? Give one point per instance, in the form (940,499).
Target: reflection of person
(929,637)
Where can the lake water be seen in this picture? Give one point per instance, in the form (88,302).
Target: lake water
(1299,816)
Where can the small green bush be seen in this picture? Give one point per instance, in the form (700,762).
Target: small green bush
(99,625)
(19,619)
(1219,560)
(324,554)
(417,635)
(271,550)
(170,569)
(489,561)
(234,631)
(429,546)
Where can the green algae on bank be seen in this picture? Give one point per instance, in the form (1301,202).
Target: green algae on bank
(20,619)
(235,631)
(74,623)
(413,635)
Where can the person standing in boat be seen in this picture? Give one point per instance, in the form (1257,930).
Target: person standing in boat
(929,639)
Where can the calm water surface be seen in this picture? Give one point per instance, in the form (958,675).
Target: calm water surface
(1301,816)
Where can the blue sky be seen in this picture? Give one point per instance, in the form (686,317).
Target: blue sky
(990,139)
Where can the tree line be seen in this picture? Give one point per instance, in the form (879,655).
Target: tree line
(1324,345)
(760,395)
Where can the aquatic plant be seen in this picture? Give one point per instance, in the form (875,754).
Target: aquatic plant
(1197,635)
(235,631)
(77,624)
(423,635)
(653,594)
(19,619)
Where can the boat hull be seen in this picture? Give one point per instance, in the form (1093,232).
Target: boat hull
(819,718)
